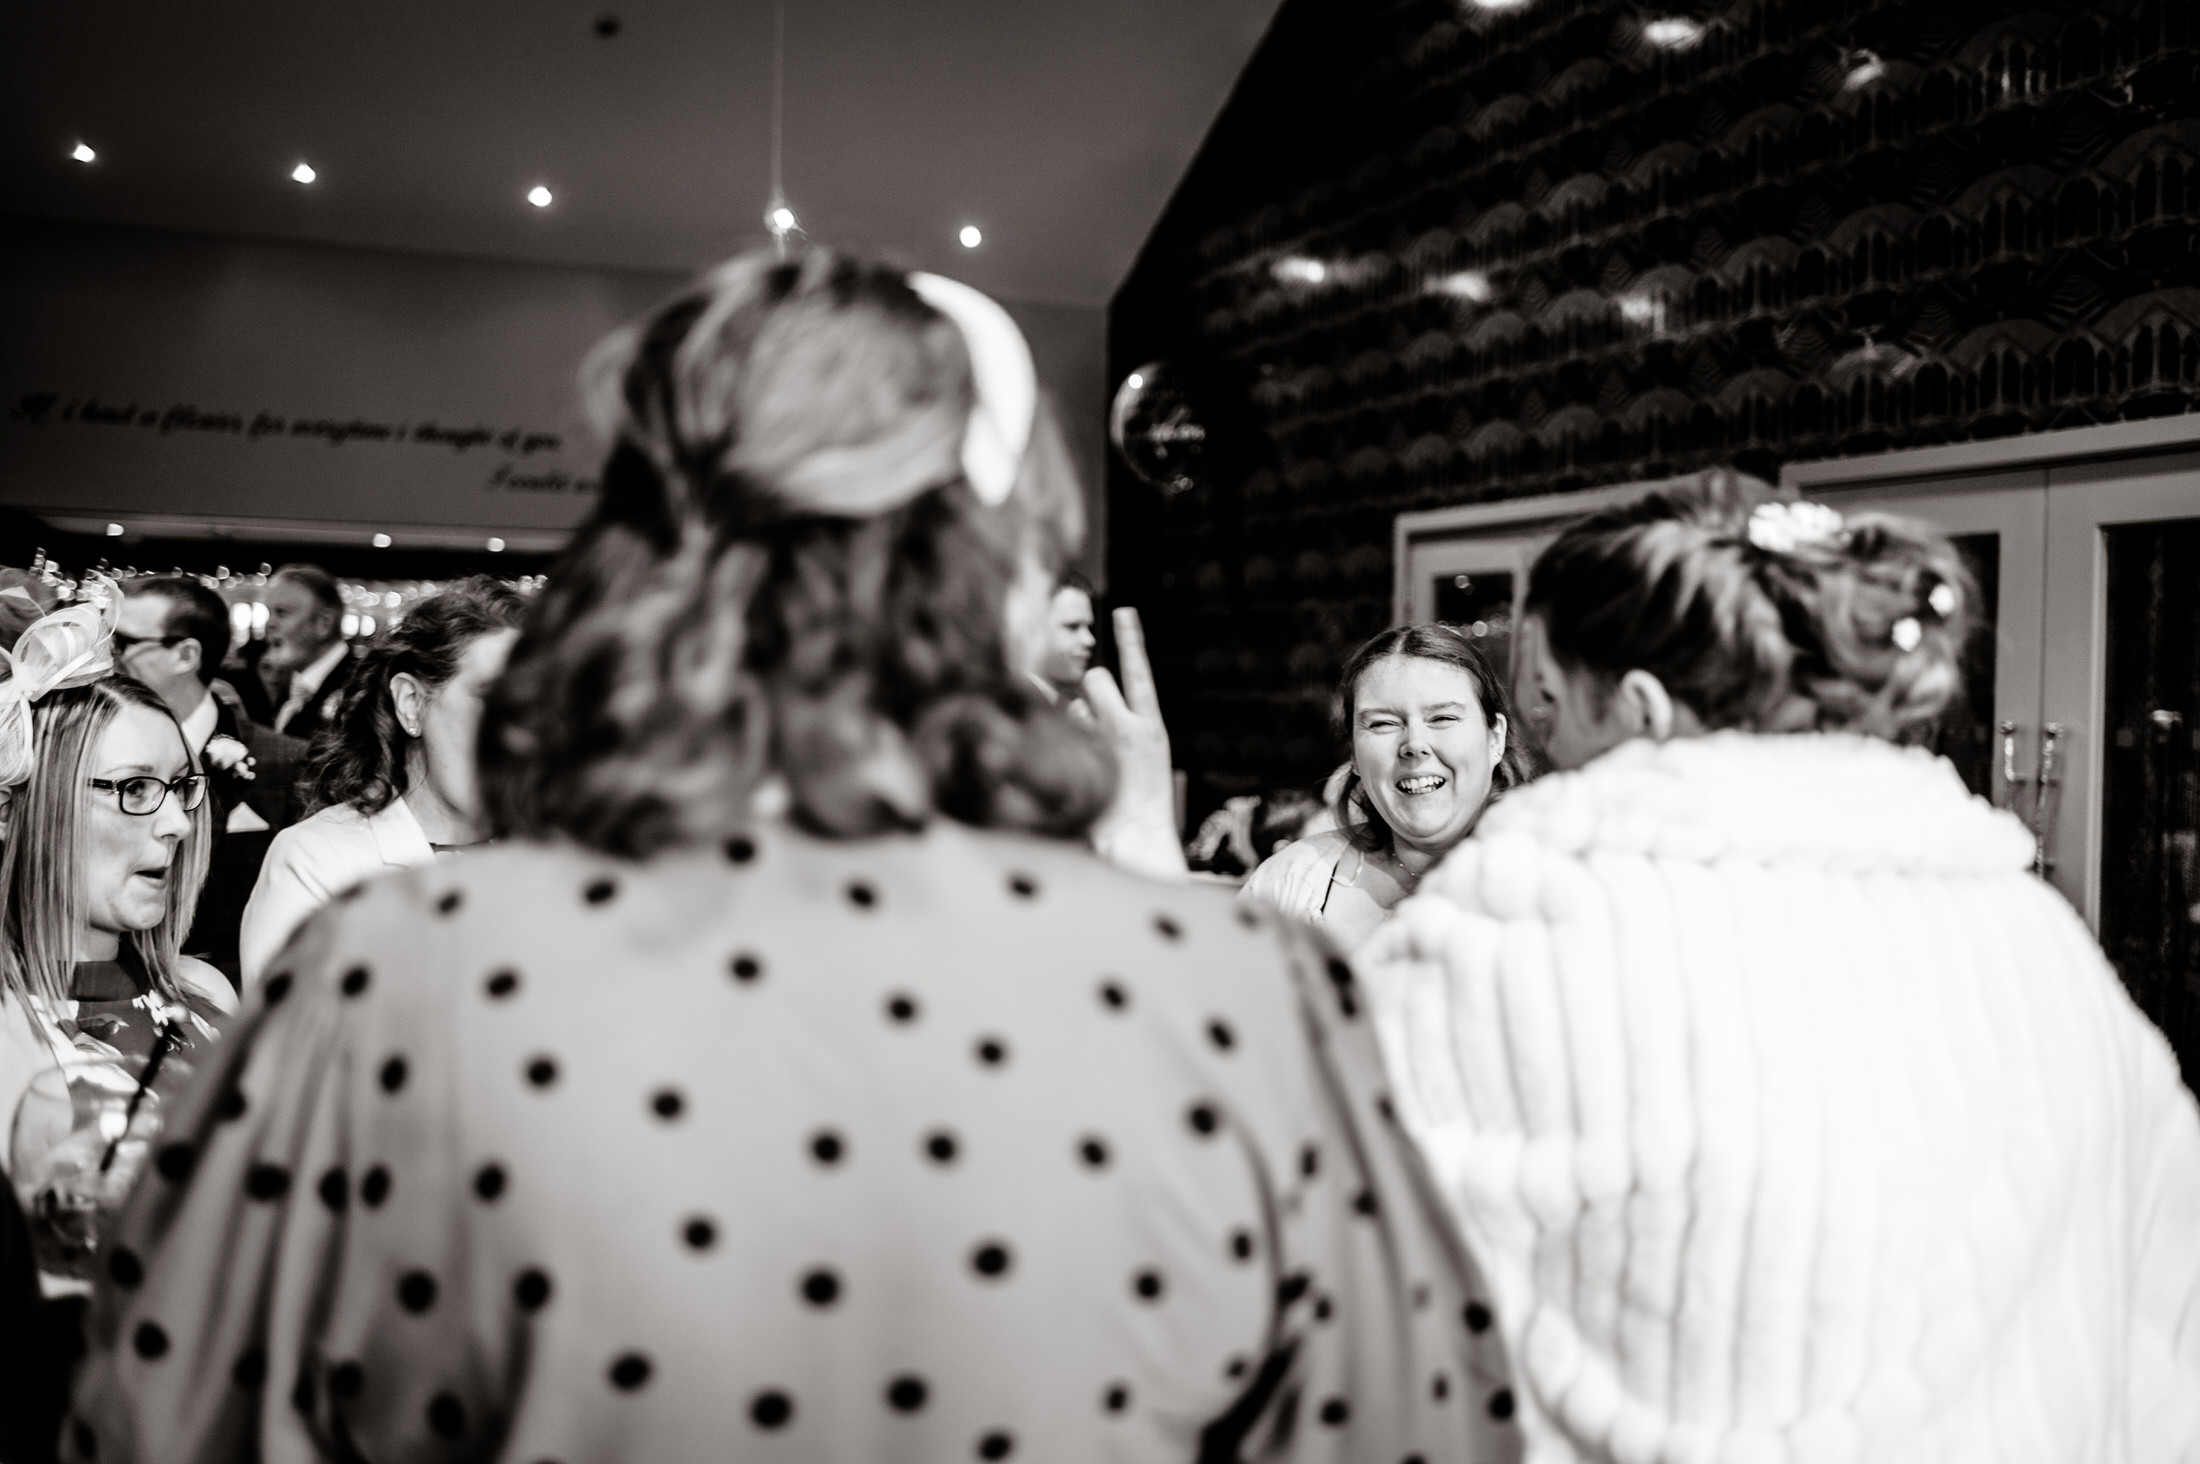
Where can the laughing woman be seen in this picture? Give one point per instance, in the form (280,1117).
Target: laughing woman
(1431,745)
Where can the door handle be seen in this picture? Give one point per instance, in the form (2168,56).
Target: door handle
(2047,800)
(2005,786)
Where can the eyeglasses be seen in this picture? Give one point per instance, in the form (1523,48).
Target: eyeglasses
(143,795)
(124,644)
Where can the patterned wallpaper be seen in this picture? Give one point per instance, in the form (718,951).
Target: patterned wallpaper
(1434,252)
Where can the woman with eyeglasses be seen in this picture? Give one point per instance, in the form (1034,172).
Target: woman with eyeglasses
(103,837)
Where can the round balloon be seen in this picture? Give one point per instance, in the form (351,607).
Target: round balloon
(1153,426)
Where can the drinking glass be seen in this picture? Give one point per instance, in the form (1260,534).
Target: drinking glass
(82,1132)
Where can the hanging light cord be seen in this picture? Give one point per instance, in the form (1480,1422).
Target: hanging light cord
(777,216)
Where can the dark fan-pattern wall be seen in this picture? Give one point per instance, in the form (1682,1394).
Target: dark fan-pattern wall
(1433,253)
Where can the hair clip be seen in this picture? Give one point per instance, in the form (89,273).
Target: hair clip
(1943,599)
(1906,633)
(1782,527)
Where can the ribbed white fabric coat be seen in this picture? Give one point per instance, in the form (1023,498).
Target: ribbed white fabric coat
(1791,1118)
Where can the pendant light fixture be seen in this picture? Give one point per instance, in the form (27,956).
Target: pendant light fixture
(778,217)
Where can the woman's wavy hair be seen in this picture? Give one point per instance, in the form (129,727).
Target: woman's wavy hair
(42,905)
(1771,639)
(1361,822)
(710,627)
(359,757)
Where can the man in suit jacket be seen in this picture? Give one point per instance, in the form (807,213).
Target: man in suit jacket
(305,637)
(171,634)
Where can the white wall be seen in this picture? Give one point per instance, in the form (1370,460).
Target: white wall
(175,381)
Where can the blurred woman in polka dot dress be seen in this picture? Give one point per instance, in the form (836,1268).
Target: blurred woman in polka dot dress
(792,1084)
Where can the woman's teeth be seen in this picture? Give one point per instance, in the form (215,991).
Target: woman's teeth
(1421,783)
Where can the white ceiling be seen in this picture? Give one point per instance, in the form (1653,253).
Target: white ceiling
(1058,128)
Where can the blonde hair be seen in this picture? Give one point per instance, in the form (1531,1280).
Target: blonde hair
(42,905)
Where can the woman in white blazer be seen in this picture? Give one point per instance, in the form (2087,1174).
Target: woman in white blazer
(1788,1113)
(393,776)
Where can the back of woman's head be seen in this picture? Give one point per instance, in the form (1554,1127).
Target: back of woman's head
(359,758)
(43,899)
(788,573)
(1429,640)
(1759,612)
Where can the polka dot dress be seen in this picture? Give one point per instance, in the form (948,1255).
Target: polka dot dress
(942,1147)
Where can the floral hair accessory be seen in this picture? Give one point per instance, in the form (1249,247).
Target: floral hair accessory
(71,647)
(1784,527)
(1906,633)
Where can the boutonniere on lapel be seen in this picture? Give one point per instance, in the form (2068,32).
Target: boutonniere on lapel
(228,755)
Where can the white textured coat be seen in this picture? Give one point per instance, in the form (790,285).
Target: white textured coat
(1791,1118)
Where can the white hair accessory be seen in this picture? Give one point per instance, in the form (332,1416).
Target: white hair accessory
(1784,527)
(1005,385)
(71,647)
(1906,633)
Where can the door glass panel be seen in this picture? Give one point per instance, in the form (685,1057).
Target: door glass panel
(1481,604)
(1965,732)
(2150,887)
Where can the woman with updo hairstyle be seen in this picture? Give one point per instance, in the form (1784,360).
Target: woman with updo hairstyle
(391,779)
(1429,729)
(791,1080)
(1788,1112)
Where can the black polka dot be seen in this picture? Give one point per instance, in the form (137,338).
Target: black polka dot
(992,1051)
(1501,1403)
(1147,1285)
(1340,976)
(667,1104)
(1335,1412)
(826,1147)
(446,1416)
(416,1291)
(1385,1108)
(998,1444)
(232,1105)
(740,849)
(1094,1151)
(1420,1296)
(771,1409)
(1439,1387)
(1323,1310)
(1114,996)
(1116,1398)
(1310,1161)
(600,891)
(700,1232)
(393,1074)
(502,984)
(347,1380)
(277,987)
(531,1289)
(1023,886)
(250,1371)
(489,1181)
(1363,1204)
(941,1147)
(901,1007)
(1413,1459)
(1247,918)
(630,1371)
(906,1394)
(1241,1245)
(1221,1035)
(87,1442)
(150,1340)
(375,1188)
(450,902)
(1291,1288)
(267,1181)
(125,1268)
(1477,1317)
(176,1162)
(746,968)
(821,1287)
(355,981)
(1236,1367)
(990,1259)
(861,895)
(1167,928)
(304,1391)
(542,1071)
(1203,1119)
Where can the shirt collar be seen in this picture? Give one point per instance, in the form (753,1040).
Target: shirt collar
(198,728)
(307,680)
(398,837)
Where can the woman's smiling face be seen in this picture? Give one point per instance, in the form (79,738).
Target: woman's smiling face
(1424,750)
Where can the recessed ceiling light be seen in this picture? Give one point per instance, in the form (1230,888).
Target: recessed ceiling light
(303,173)
(781,220)
(1299,270)
(496,546)
(970,236)
(114,531)
(83,153)
(1673,32)
(1137,380)
(381,541)
(539,196)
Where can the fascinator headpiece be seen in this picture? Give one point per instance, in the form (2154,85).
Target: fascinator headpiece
(70,647)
